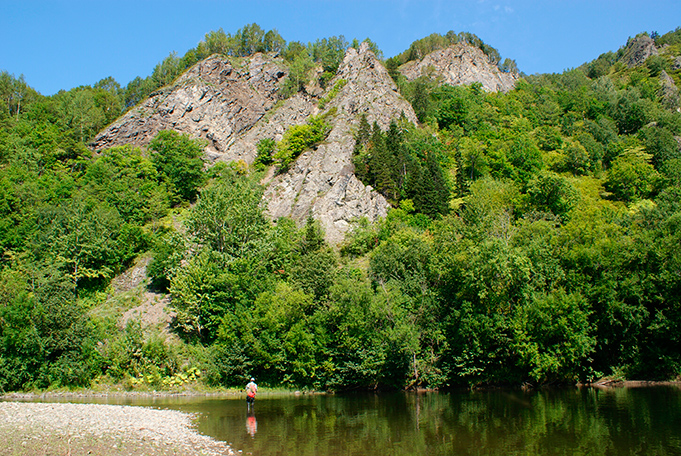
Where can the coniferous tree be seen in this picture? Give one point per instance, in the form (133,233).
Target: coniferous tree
(432,195)
(382,165)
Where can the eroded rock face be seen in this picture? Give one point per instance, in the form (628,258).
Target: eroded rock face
(322,182)
(669,92)
(638,50)
(214,100)
(236,107)
(676,63)
(293,111)
(461,64)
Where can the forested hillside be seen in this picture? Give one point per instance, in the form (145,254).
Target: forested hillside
(533,236)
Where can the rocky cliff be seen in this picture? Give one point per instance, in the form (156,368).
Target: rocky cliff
(217,100)
(235,104)
(461,64)
(637,51)
(322,181)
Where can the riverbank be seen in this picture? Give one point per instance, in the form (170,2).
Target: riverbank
(35,428)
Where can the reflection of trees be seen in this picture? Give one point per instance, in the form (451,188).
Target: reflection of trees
(552,422)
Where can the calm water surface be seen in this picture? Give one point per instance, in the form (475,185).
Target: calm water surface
(622,421)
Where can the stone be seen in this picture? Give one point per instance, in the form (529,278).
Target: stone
(669,92)
(676,63)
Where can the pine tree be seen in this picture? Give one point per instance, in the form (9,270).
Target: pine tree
(363,134)
(432,192)
(382,165)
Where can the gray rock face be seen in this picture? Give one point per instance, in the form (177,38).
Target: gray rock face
(461,64)
(322,182)
(676,64)
(669,92)
(234,107)
(293,111)
(214,100)
(638,50)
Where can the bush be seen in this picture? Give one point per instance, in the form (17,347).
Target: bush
(178,157)
(266,148)
(298,138)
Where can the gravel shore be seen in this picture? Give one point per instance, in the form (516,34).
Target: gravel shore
(31,428)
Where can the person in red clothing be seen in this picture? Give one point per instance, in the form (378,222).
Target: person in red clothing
(251,389)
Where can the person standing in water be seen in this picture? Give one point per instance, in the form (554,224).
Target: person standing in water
(251,389)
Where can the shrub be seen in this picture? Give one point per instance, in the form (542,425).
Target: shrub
(298,138)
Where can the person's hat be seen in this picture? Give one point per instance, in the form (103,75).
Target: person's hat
(252,379)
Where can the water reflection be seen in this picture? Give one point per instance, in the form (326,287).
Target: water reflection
(554,422)
(631,421)
(251,423)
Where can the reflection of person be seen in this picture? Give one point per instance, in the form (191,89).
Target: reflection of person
(251,425)
(251,389)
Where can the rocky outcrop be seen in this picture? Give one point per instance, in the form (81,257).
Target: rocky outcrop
(321,182)
(461,64)
(293,111)
(637,51)
(234,107)
(669,93)
(216,100)
(676,63)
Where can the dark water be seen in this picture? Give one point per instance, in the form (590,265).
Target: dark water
(624,421)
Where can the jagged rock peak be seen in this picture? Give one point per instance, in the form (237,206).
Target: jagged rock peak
(370,89)
(461,64)
(322,182)
(637,51)
(216,99)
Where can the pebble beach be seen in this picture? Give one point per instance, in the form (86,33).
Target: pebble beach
(33,428)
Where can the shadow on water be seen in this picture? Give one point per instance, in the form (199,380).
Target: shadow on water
(579,421)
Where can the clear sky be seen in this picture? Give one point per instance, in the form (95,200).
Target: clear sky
(61,44)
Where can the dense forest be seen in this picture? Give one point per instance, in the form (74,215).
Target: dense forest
(534,235)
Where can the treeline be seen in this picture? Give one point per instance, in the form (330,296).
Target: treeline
(534,238)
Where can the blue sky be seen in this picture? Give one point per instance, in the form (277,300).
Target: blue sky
(61,44)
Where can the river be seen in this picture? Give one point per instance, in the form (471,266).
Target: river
(568,421)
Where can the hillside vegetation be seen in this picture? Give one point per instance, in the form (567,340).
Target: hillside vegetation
(533,237)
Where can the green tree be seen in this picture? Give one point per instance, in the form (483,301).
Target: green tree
(553,337)
(228,217)
(126,180)
(179,159)
(553,193)
(284,345)
(631,176)
(299,73)
(660,143)
(432,191)
(273,42)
